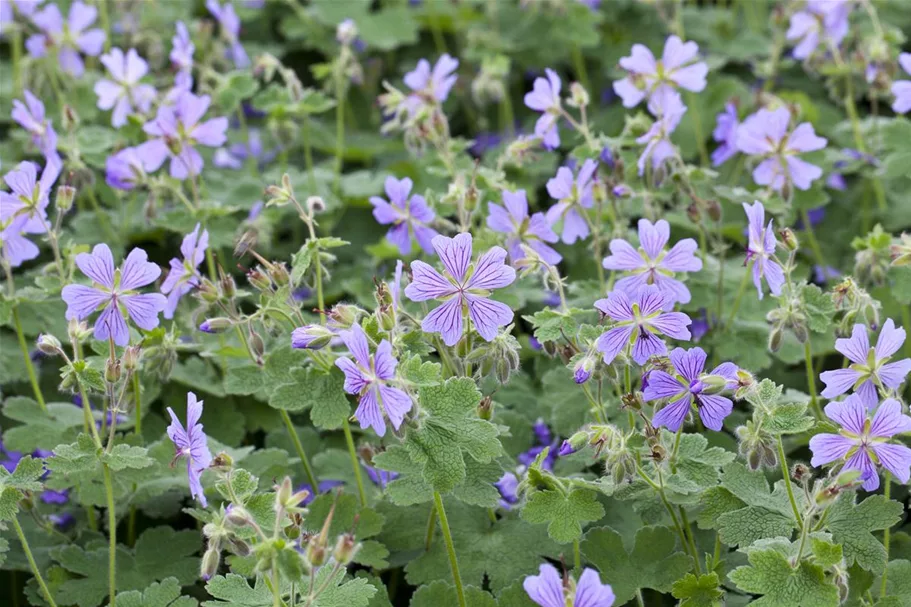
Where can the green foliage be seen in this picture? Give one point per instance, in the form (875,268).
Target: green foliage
(702,591)
(781,583)
(160,594)
(13,486)
(852,525)
(564,513)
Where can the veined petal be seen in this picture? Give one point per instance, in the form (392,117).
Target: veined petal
(488,315)
(81,300)
(384,363)
(662,385)
(828,448)
(144,309)
(455,253)
(889,420)
(445,320)
(491,271)
(396,403)
(138,271)
(98,265)
(111,324)
(672,416)
(855,347)
(713,409)
(689,363)
(850,414)
(369,414)
(890,340)
(612,342)
(838,381)
(427,283)
(896,459)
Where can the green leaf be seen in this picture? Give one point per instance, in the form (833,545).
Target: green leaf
(898,584)
(323,394)
(825,552)
(765,514)
(26,477)
(245,380)
(702,591)
(81,456)
(441,593)
(851,526)
(765,396)
(124,456)
(819,308)
(789,418)
(4,546)
(39,430)
(564,514)
(552,325)
(234,591)
(420,373)
(770,574)
(653,563)
(696,462)
(368,521)
(234,88)
(241,484)
(163,594)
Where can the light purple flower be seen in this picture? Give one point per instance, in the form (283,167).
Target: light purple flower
(124,93)
(127,168)
(765,134)
(508,486)
(184,276)
(14,246)
(870,367)
(820,21)
(650,264)
(534,231)
(545,98)
(431,87)
(547,589)
(678,68)
(669,109)
(182,49)
(177,130)
(691,385)
(761,250)
(29,196)
(902,88)
(311,337)
(725,133)
(115,291)
(862,443)
(369,377)
(467,286)
(68,38)
(408,215)
(31,116)
(572,195)
(229,23)
(640,321)
(191,442)
(234,156)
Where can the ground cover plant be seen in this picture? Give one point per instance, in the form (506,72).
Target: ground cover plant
(372,303)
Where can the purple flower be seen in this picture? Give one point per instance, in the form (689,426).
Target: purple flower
(182,49)
(514,220)
(572,195)
(68,38)
(863,443)
(761,250)
(115,291)
(408,215)
(836,181)
(183,276)
(127,168)
(669,109)
(322,487)
(639,322)
(691,385)
(508,486)
(547,589)
(431,87)
(821,19)
(765,134)
(234,156)
(124,92)
(369,377)
(542,432)
(229,23)
(902,88)
(50,496)
(650,264)
(870,368)
(725,133)
(15,248)
(191,441)
(311,337)
(380,478)
(678,68)
(31,116)
(545,98)
(177,130)
(28,196)
(466,286)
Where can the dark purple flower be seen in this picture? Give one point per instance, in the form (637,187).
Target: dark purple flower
(184,276)
(229,24)
(820,21)
(323,486)
(115,291)
(467,286)
(124,93)
(407,214)
(836,181)
(678,68)
(725,133)
(191,441)
(545,98)
(311,337)
(31,116)
(766,135)
(508,486)
(650,264)
(864,443)
(902,88)
(542,432)
(823,274)
(369,377)
(870,367)
(68,38)
(761,250)
(566,448)
(380,478)
(51,496)
(234,156)
(691,385)
(582,371)
(533,231)
(572,195)
(607,157)
(547,589)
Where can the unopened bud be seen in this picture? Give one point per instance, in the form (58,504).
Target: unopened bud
(775,338)
(112,370)
(607,157)
(345,549)
(237,516)
(315,204)
(65,196)
(256,343)
(621,191)
(70,118)
(714,210)
(131,357)
(215,325)
(258,280)
(311,337)
(239,547)
(48,344)
(485,408)
(799,472)
(578,96)
(789,238)
(209,565)
(692,211)
(583,369)
(346,32)
(342,316)
(222,461)
(228,286)
(574,443)
(316,551)
(283,493)
(279,274)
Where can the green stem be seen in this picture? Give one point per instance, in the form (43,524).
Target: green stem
(787,482)
(308,153)
(137,400)
(106,24)
(811,237)
(739,298)
(349,439)
(577,555)
(431,527)
(697,129)
(339,130)
(112,536)
(906,324)
(450,548)
(29,367)
(16,44)
(579,67)
(811,378)
(886,533)
(31,561)
(292,432)
(685,522)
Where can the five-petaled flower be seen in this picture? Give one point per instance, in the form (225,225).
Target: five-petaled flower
(431,87)
(69,37)
(407,214)
(864,443)
(761,250)
(115,291)
(669,109)
(467,286)
(548,589)
(369,376)
(651,264)
(572,195)
(640,321)
(820,19)
(124,92)
(23,210)
(678,68)
(229,23)
(31,116)
(691,385)
(191,442)
(766,134)
(545,98)
(725,134)
(533,231)
(870,367)
(184,276)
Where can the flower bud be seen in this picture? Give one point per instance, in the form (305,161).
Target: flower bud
(714,210)
(345,549)
(485,408)
(583,369)
(578,96)
(215,325)
(799,472)
(65,196)
(775,338)
(283,493)
(346,32)
(574,443)
(621,191)
(131,356)
(222,461)
(112,370)
(258,280)
(789,238)
(70,119)
(279,274)
(48,344)
(209,565)
(342,316)
(237,516)
(316,551)
(315,204)
(239,547)
(228,286)
(714,384)
(256,343)
(311,337)
(607,157)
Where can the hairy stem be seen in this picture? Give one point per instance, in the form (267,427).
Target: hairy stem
(355,465)
(811,378)
(783,460)
(886,537)
(450,548)
(299,448)
(112,535)
(34,566)
(29,367)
